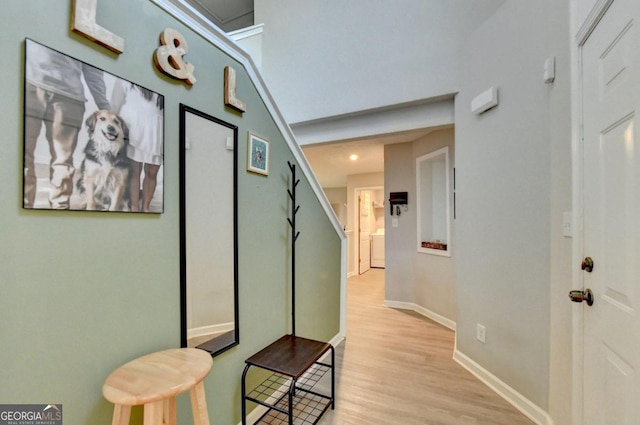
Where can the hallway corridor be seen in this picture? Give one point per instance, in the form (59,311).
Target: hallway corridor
(396,367)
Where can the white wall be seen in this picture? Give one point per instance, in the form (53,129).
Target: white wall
(400,241)
(560,254)
(412,277)
(510,163)
(435,287)
(249,39)
(513,164)
(337,197)
(383,54)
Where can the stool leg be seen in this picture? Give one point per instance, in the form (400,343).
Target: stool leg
(153,413)
(199,405)
(121,414)
(170,411)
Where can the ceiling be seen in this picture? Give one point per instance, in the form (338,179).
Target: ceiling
(229,15)
(331,164)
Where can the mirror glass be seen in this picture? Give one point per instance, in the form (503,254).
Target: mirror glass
(208,232)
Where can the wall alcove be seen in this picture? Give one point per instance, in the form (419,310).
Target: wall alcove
(432,184)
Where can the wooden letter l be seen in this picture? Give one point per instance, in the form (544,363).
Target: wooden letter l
(83,21)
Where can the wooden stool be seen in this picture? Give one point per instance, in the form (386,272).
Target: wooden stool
(154,381)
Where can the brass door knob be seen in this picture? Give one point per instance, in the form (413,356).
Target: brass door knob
(587,265)
(578,296)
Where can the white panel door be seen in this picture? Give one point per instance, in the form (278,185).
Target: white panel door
(364,226)
(611,101)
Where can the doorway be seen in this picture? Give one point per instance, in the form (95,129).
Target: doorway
(369,220)
(608,329)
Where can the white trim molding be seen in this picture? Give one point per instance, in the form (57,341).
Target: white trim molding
(422,114)
(577,169)
(595,15)
(517,400)
(247,32)
(447,323)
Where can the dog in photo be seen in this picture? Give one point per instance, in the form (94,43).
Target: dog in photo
(104,172)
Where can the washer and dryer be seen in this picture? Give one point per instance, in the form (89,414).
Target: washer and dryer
(377,249)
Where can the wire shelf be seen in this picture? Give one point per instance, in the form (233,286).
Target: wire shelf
(308,404)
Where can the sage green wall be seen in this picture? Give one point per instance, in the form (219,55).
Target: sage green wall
(82,293)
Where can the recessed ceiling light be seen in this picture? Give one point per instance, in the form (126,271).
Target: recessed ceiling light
(353,157)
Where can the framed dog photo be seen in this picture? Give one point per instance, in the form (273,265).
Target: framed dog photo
(92,141)
(258,155)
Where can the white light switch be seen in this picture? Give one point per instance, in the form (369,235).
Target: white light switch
(567,230)
(394,222)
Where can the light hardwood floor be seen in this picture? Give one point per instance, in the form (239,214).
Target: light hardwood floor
(396,367)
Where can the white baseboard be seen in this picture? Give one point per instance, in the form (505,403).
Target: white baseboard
(260,410)
(447,323)
(517,400)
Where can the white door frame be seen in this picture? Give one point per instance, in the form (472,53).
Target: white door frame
(582,34)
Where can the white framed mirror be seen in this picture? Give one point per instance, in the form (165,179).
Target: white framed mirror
(208,232)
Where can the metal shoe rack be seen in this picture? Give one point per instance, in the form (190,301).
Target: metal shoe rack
(291,394)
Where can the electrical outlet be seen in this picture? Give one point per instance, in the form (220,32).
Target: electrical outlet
(481,333)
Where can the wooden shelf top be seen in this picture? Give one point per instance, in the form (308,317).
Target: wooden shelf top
(290,355)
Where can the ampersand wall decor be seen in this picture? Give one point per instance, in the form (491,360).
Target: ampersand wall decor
(168,57)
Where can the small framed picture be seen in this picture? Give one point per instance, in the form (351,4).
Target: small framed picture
(258,155)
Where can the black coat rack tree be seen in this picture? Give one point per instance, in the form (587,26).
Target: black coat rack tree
(294,237)
(293,358)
